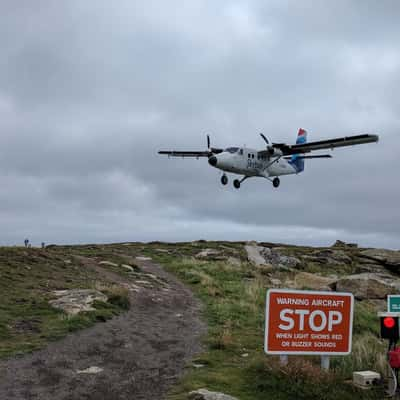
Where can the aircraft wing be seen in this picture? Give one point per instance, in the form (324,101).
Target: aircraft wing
(195,154)
(326,144)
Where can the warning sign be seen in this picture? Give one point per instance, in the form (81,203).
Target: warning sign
(308,322)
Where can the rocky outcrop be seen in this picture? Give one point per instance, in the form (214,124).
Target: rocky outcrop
(368,286)
(75,301)
(305,280)
(204,394)
(264,256)
(340,243)
(390,259)
(328,257)
(208,253)
(275,257)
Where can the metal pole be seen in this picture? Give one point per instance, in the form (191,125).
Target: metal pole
(284,359)
(325,363)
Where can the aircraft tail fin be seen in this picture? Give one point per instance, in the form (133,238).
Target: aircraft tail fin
(296,161)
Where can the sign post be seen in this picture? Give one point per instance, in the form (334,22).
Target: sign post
(308,322)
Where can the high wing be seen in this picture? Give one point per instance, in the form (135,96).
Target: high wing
(196,154)
(308,157)
(325,144)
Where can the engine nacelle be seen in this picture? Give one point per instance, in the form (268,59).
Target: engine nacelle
(274,151)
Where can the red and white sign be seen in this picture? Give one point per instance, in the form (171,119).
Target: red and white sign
(308,322)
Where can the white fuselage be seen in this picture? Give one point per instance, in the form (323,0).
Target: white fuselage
(248,162)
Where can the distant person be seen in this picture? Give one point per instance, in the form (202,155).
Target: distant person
(26,241)
(43,245)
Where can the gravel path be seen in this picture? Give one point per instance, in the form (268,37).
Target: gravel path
(139,354)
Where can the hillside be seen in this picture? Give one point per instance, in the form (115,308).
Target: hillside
(230,279)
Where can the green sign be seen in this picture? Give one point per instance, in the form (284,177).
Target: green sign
(393,303)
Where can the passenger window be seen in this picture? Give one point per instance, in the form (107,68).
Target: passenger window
(249,155)
(252,156)
(241,152)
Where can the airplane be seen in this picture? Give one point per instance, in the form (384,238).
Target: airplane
(276,160)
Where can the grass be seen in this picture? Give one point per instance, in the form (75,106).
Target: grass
(234,301)
(234,361)
(27,278)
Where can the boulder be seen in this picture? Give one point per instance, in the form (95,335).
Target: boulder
(75,301)
(208,253)
(127,267)
(234,261)
(204,394)
(276,258)
(111,264)
(313,281)
(254,254)
(368,286)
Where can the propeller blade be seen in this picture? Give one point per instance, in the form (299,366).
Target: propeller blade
(263,136)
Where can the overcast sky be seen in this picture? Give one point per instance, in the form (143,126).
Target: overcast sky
(91,90)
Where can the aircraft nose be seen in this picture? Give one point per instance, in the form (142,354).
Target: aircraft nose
(212,161)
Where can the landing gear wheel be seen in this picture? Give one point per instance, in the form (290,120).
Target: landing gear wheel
(224,179)
(236,183)
(276,182)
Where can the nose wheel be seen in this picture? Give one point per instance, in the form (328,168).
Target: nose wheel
(276,182)
(224,179)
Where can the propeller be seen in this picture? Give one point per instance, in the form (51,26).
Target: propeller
(212,150)
(263,136)
(270,147)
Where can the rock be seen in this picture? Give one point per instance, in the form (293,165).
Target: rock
(162,250)
(204,394)
(273,256)
(368,286)
(75,301)
(338,256)
(234,261)
(313,281)
(208,253)
(127,267)
(254,254)
(340,243)
(329,257)
(275,282)
(111,264)
(90,370)
(389,258)
(141,258)
(197,366)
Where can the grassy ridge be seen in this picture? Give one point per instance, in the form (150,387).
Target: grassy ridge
(234,361)
(27,279)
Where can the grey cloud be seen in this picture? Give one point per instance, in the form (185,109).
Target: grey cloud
(89,94)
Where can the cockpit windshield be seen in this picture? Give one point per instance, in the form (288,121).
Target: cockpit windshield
(232,149)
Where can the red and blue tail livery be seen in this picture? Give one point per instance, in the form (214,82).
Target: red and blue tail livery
(297,161)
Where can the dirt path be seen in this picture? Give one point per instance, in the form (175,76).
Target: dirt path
(141,353)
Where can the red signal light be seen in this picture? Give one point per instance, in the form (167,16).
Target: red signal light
(389,322)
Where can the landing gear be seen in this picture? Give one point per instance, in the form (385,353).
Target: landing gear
(224,179)
(276,182)
(236,183)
